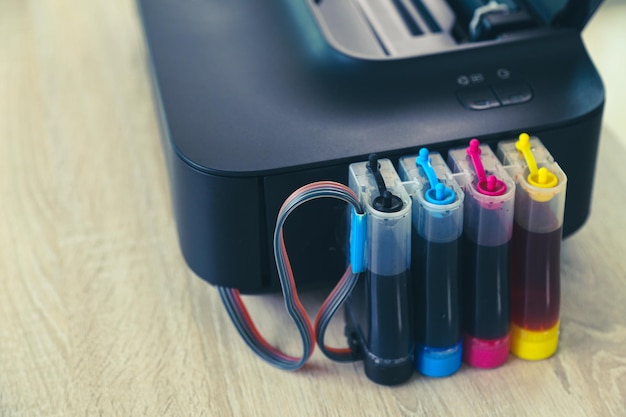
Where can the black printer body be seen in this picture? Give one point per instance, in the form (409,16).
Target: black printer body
(258,98)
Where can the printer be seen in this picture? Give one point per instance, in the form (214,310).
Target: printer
(258,98)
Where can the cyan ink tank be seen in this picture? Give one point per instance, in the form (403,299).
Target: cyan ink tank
(487,230)
(437,226)
(536,249)
(377,312)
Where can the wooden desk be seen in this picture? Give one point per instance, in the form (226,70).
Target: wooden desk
(100,316)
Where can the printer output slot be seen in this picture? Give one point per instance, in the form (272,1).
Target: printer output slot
(382,29)
(388,28)
(487,19)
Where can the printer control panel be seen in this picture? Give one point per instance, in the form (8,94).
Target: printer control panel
(488,90)
(487,96)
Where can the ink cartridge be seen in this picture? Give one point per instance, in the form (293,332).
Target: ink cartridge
(487,230)
(377,311)
(437,226)
(536,248)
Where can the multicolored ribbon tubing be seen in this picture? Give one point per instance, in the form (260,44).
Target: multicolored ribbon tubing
(309,333)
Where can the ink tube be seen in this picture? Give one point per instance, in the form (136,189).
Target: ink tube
(536,248)
(487,230)
(378,309)
(437,226)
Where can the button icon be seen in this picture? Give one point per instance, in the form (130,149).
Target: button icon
(503,73)
(477,78)
(463,80)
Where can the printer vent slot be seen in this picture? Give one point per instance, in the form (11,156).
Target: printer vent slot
(408,19)
(429,20)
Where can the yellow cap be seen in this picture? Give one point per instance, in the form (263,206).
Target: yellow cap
(543,178)
(538,177)
(534,345)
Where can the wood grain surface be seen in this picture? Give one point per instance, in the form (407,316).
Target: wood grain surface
(99,315)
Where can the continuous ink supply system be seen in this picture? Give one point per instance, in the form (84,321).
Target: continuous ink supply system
(536,248)
(437,226)
(258,98)
(487,229)
(377,312)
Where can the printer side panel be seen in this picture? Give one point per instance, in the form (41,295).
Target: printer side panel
(219,226)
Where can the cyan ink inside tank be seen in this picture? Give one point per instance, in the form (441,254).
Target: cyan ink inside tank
(436,234)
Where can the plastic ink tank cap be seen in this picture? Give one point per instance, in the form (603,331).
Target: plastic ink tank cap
(386,202)
(543,178)
(487,185)
(438,362)
(534,345)
(538,177)
(438,193)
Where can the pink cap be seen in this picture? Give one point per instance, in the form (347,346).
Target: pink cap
(483,353)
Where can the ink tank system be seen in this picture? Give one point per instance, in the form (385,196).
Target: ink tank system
(447,263)
(389,110)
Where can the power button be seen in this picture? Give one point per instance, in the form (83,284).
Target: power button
(478,98)
(513,92)
(504,93)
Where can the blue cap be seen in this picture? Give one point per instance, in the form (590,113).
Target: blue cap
(438,193)
(438,362)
